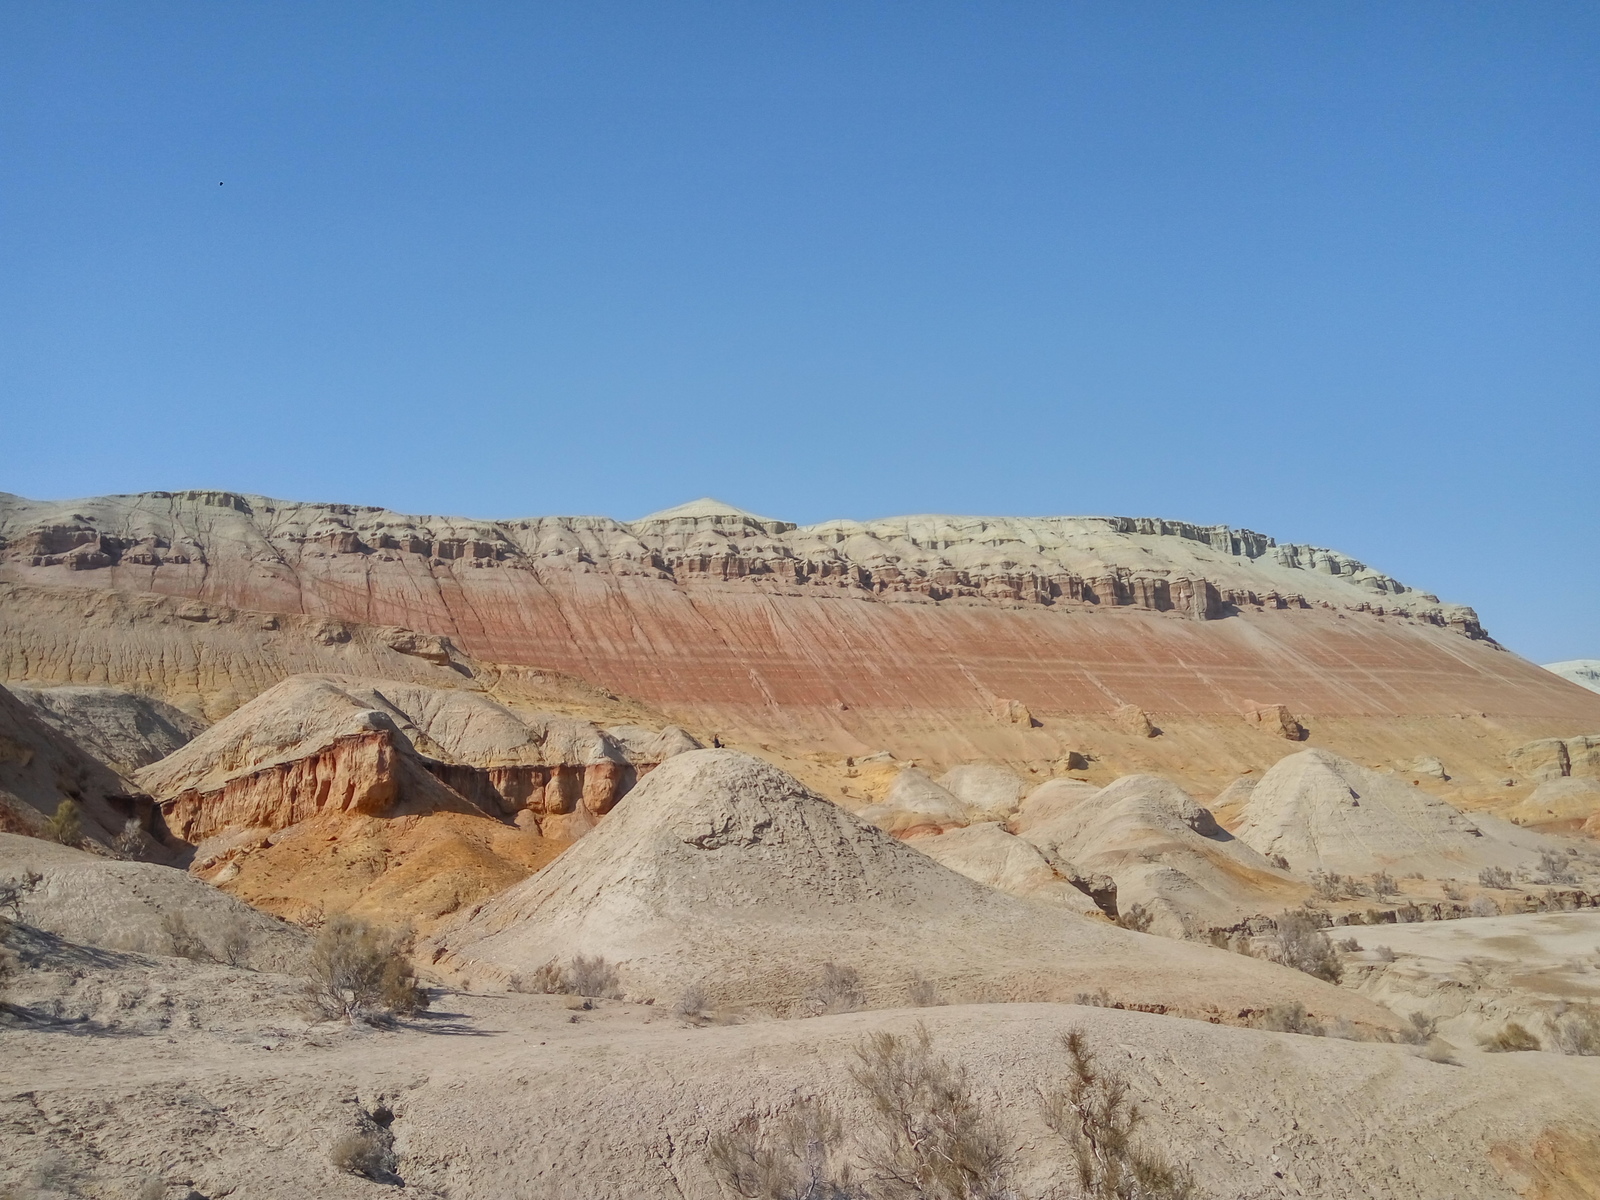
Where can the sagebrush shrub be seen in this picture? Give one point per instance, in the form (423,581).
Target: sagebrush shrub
(594,977)
(1511,1039)
(924,993)
(1137,918)
(367,1152)
(1290,1018)
(1494,877)
(1575,1029)
(361,972)
(840,989)
(66,826)
(185,942)
(1297,942)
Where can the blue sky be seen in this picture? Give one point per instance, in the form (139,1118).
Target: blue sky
(1328,271)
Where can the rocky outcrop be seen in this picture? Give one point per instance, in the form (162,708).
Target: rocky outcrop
(1277,720)
(125,730)
(1557,758)
(315,745)
(1585,672)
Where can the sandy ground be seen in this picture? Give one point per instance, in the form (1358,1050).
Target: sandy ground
(121,1067)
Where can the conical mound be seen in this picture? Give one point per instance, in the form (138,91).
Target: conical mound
(1322,812)
(723,873)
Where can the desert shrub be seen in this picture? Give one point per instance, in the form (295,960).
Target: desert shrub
(1137,918)
(14,891)
(1298,943)
(185,942)
(236,942)
(797,1156)
(1341,1028)
(594,977)
(1349,945)
(924,993)
(367,1152)
(1278,861)
(1097,1120)
(1513,1037)
(1555,867)
(361,972)
(1290,1018)
(1453,890)
(130,842)
(548,980)
(930,1138)
(1437,1051)
(839,989)
(692,1002)
(1575,1029)
(1494,877)
(1383,884)
(1484,906)
(1408,914)
(1383,953)
(1418,1029)
(1096,999)
(1327,885)
(66,826)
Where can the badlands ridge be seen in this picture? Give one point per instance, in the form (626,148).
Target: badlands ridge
(1294,845)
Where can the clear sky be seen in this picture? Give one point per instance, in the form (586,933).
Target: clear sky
(1330,271)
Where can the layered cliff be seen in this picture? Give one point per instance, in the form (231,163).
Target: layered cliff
(1000,638)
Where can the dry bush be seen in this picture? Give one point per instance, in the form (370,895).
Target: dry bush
(1137,918)
(368,1152)
(185,942)
(1383,884)
(1096,999)
(1575,1029)
(1328,885)
(1418,1029)
(1484,906)
(14,891)
(1349,945)
(925,993)
(930,1138)
(1383,953)
(66,826)
(1555,867)
(1342,1029)
(692,1003)
(236,942)
(361,972)
(1512,1038)
(1453,890)
(1278,861)
(797,1156)
(1299,943)
(594,977)
(1290,1018)
(1096,1118)
(130,843)
(840,989)
(1436,1051)
(1494,877)
(548,980)
(1408,914)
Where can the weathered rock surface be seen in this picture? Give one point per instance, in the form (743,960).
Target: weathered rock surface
(722,872)
(1167,853)
(1585,672)
(1277,720)
(125,730)
(318,744)
(40,767)
(916,804)
(986,853)
(1560,799)
(1556,758)
(1325,813)
(989,793)
(142,907)
(1048,801)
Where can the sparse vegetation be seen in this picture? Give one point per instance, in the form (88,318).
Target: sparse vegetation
(930,1139)
(1495,877)
(1096,1118)
(1278,861)
(1349,945)
(1136,918)
(130,842)
(594,977)
(1418,1029)
(1383,884)
(1575,1029)
(692,1002)
(1555,867)
(1510,1039)
(14,891)
(1299,943)
(361,972)
(930,1136)
(1383,954)
(1441,1052)
(1484,906)
(839,990)
(236,942)
(180,935)
(1290,1018)
(367,1152)
(924,993)
(1453,890)
(66,826)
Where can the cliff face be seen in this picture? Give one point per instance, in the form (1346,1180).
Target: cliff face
(731,618)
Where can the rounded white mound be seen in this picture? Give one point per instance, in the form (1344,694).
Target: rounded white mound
(722,872)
